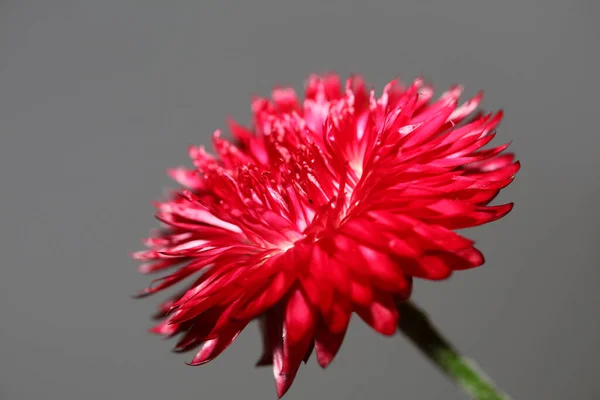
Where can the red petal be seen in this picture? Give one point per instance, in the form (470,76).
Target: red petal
(338,317)
(459,260)
(275,324)
(285,99)
(172,279)
(385,273)
(327,344)
(361,292)
(267,296)
(299,327)
(212,348)
(316,285)
(381,314)
(165,328)
(299,317)
(428,129)
(426,267)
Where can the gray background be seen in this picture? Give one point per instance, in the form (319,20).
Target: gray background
(98,98)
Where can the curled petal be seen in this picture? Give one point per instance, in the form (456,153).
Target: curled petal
(213,347)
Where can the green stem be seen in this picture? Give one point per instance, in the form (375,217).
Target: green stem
(415,324)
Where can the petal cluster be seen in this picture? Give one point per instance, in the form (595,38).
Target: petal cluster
(325,208)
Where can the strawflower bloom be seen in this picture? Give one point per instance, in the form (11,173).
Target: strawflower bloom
(327,207)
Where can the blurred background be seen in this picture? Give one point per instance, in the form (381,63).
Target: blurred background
(99,98)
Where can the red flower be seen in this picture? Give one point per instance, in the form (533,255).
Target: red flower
(326,208)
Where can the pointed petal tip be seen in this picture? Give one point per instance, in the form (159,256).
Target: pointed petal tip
(145,268)
(389,330)
(517,167)
(196,361)
(502,210)
(381,315)
(138,255)
(165,330)
(328,347)
(141,294)
(457,89)
(173,172)
(283,384)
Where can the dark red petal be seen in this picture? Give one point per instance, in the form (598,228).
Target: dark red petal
(459,260)
(165,307)
(172,279)
(327,344)
(264,298)
(276,336)
(147,268)
(381,314)
(199,330)
(298,329)
(426,267)
(213,347)
(309,352)
(269,325)
(338,317)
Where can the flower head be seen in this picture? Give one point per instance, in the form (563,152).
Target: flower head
(326,208)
